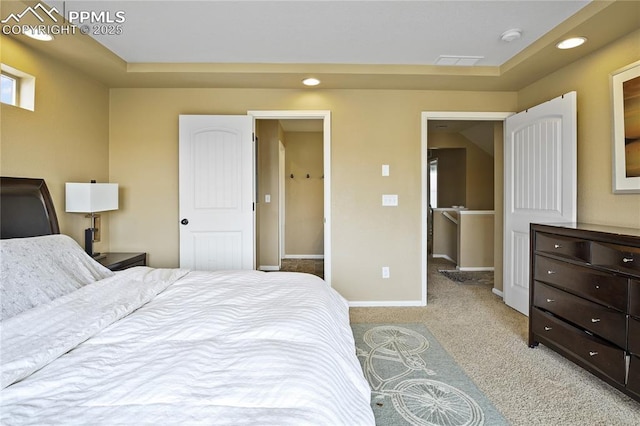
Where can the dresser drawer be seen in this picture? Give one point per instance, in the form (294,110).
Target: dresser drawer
(592,351)
(605,322)
(573,248)
(615,257)
(634,298)
(633,383)
(601,287)
(634,335)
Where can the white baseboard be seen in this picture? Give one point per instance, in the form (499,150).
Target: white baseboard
(497,292)
(443,256)
(375,304)
(269,268)
(475,268)
(304,256)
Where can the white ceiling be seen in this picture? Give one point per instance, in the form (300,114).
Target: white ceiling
(324,32)
(348,44)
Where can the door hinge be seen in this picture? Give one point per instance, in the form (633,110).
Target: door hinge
(253,205)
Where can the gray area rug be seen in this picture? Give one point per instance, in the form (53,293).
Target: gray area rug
(414,381)
(468,277)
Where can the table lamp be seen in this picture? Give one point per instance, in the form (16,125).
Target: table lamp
(91,198)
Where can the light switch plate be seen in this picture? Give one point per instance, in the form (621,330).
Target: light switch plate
(385,170)
(267,198)
(385,272)
(390,200)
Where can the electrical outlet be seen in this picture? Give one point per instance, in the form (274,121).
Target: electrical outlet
(385,272)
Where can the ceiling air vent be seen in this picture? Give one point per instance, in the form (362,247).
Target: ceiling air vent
(461,61)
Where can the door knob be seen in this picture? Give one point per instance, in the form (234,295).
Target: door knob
(184,221)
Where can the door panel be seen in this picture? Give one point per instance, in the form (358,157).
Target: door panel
(540,184)
(537,182)
(216,192)
(217,250)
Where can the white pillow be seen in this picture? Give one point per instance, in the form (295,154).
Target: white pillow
(37,270)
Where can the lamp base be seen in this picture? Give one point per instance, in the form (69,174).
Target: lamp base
(88,244)
(88,241)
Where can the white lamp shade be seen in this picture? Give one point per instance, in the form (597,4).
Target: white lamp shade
(91,197)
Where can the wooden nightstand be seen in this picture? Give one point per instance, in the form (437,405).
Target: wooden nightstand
(120,261)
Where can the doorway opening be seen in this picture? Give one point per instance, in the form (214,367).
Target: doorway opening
(292,191)
(467,148)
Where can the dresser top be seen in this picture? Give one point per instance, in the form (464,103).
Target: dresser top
(590,227)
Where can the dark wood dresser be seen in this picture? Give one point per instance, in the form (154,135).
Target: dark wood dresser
(585,298)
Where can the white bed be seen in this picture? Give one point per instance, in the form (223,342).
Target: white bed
(170,346)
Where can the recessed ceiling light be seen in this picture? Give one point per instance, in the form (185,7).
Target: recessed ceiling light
(511,35)
(37,34)
(310,81)
(570,43)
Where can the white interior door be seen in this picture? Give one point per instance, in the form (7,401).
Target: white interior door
(281,200)
(216,192)
(540,184)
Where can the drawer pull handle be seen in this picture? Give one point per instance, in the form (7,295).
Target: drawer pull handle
(550,300)
(557,246)
(546,328)
(551,272)
(627,259)
(593,353)
(597,287)
(595,319)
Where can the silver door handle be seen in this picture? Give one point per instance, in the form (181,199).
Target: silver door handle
(595,319)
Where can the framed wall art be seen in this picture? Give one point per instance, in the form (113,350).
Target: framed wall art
(625,90)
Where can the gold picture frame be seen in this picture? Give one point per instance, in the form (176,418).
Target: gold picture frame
(625,95)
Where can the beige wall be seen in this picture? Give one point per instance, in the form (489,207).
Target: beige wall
(304,197)
(369,128)
(445,234)
(66,137)
(269,133)
(475,240)
(82,131)
(452,176)
(479,179)
(589,77)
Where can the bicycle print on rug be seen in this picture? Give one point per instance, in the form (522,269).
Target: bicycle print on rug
(414,381)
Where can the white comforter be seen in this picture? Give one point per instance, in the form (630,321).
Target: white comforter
(211,348)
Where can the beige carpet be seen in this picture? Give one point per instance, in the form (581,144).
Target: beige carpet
(489,342)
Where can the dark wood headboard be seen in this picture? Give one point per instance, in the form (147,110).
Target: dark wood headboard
(26,208)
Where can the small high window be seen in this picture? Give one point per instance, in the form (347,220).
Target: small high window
(9,89)
(17,88)
(433,183)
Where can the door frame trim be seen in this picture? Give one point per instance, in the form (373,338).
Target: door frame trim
(441,115)
(325,116)
(281,201)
